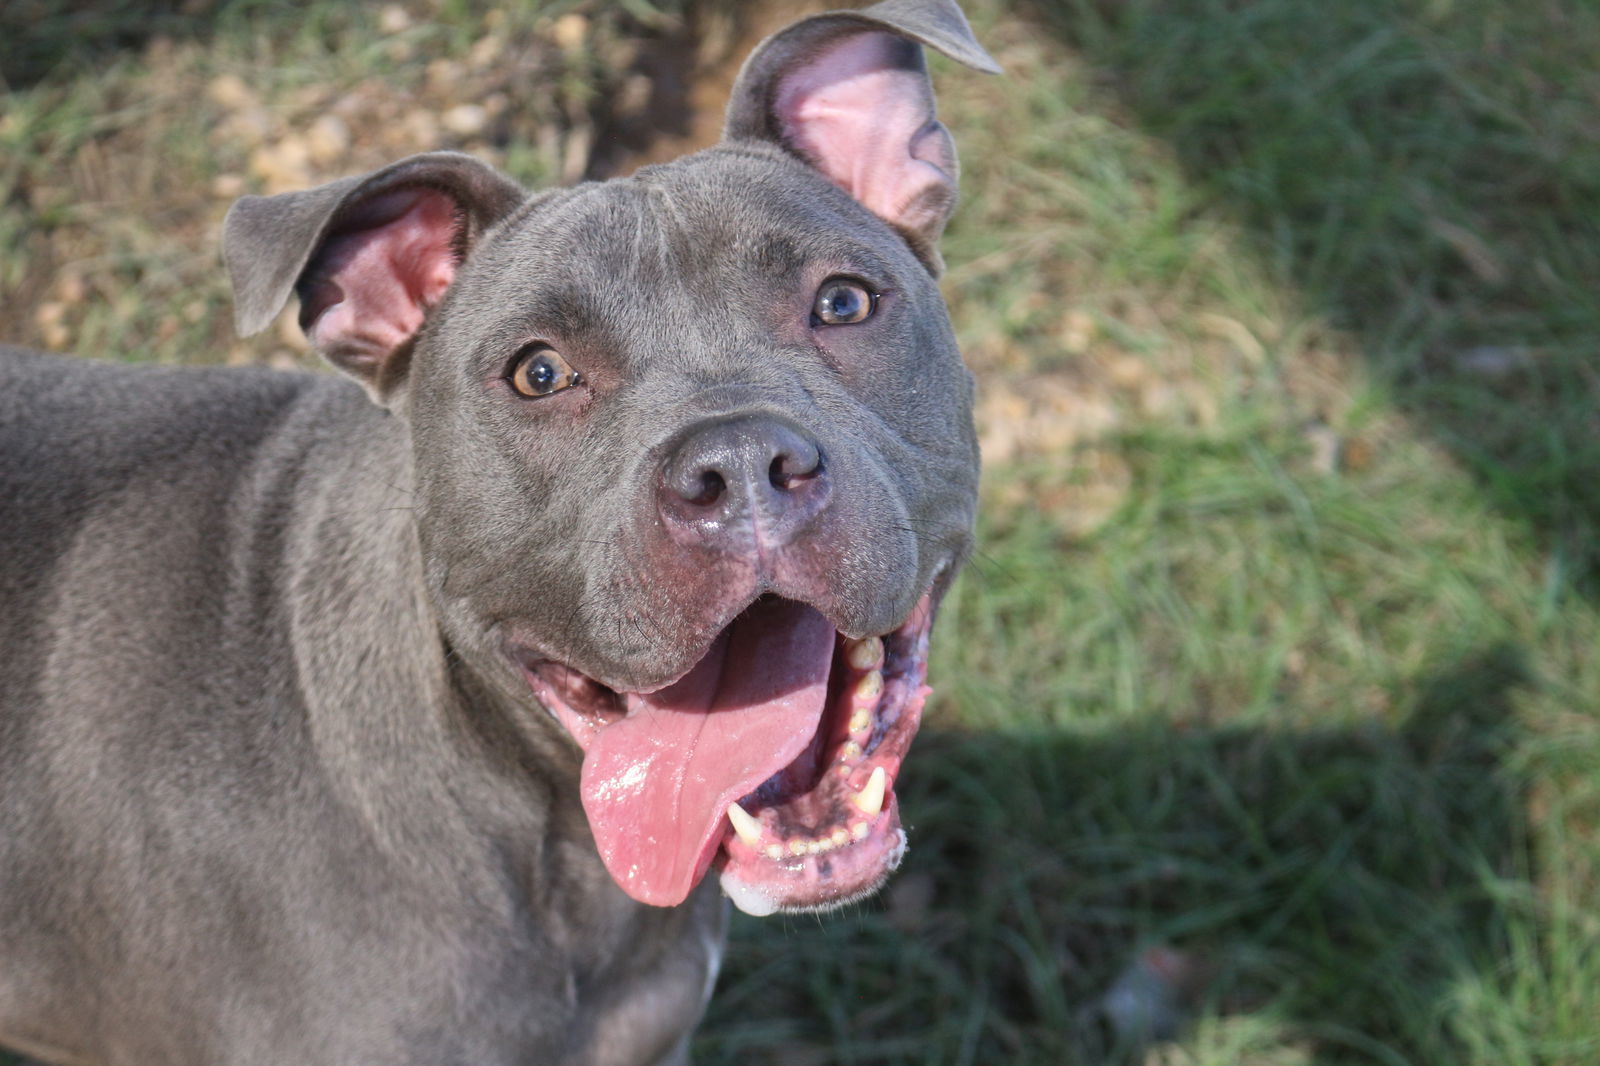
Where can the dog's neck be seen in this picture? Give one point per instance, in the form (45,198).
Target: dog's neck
(466,787)
(406,732)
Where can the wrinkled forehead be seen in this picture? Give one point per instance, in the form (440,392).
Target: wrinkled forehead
(707,225)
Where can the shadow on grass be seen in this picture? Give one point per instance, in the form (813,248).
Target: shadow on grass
(1340,883)
(56,39)
(1428,175)
(46,37)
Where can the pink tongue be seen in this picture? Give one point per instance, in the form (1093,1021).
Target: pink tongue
(657,784)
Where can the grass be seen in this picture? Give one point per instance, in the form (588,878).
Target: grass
(121,147)
(1280,651)
(1278,658)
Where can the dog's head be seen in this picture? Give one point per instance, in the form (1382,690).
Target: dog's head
(693,450)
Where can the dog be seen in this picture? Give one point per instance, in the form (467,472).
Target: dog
(400,715)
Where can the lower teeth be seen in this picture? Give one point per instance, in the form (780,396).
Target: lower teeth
(866,656)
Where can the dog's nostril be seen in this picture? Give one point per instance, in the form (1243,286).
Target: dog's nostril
(709,489)
(788,471)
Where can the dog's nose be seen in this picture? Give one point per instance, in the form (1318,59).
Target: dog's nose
(750,476)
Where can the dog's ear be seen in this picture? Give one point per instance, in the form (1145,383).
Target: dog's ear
(368,256)
(848,92)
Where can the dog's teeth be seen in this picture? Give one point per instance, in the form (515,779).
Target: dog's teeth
(797,847)
(850,750)
(860,720)
(840,837)
(870,799)
(860,830)
(870,685)
(864,654)
(745,824)
(774,851)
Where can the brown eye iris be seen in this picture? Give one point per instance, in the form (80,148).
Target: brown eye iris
(843,302)
(540,371)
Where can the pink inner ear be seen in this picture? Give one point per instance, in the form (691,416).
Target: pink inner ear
(371,284)
(863,113)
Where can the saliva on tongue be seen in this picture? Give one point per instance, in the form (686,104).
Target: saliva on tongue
(656,783)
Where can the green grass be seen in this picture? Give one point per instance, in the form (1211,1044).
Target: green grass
(126,138)
(1280,648)
(1328,725)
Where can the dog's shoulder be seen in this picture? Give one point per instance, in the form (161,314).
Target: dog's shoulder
(137,452)
(72,400)
(69,424)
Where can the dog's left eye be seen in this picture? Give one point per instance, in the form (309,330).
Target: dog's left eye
(843,302)
(539,371)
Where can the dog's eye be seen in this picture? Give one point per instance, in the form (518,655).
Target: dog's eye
(843,302)
(539,370)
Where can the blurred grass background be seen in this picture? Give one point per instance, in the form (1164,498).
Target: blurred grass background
(1266,728)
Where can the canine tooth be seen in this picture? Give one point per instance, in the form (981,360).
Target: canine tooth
(840,837)
(860,830)
(870,685)
(860,720)
(745,824)
(864,654)
(870,798)
(774,851)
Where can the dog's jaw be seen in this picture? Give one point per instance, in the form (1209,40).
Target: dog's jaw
(839,840)
(817,826)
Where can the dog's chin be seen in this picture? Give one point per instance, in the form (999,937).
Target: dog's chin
(781,781)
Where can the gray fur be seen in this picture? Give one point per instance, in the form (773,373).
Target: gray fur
(271,788)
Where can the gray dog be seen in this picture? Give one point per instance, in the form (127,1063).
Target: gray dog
(402,723)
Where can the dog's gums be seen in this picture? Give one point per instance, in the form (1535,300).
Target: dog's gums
(779,775)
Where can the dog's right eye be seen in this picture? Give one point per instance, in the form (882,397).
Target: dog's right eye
(539,370)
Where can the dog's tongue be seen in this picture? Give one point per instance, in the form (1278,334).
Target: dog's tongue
(657,783)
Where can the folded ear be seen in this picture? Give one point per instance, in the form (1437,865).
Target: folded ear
(848,92)
(368,256)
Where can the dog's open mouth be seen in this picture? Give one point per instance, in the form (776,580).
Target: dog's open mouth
(774,758)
